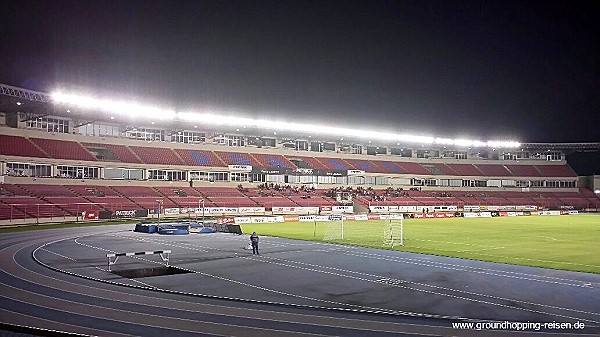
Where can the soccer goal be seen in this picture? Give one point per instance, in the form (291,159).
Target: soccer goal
(335,228)
(393,234)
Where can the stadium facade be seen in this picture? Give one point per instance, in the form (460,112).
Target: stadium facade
(60,160)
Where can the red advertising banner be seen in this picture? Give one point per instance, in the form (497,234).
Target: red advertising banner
(374,217)
(226,220)
(90,215)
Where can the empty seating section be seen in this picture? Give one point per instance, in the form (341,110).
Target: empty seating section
(106,191)
(413,168)
(445,169)
(493,170)
(73,205)
(465,169)
(336,164)
(9,190)
(390,167)
(258,192)
(236,158)
(232,201)
(19,146)
(47,190)
(157,155)
(87,191)
(113,203)
(137,191)
(61,149)
(273,160)
(123,153)
(200,158)
(312,201)
(524,170)
(152,202)
(179,192)
(313,163)
(30,207)
(556,171)
(45,200)
(192,202)
(220,192)
(587,193)
(269,202)
(11,212)
(364,165)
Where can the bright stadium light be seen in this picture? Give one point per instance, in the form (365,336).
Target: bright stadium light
(131,109)
(127,109)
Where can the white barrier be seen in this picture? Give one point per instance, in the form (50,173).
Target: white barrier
(164,255)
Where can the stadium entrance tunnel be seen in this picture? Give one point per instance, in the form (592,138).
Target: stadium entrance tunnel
(148,272)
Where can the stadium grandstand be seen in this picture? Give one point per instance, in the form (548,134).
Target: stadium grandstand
(65,156)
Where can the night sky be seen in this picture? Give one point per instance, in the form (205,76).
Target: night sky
(522,70)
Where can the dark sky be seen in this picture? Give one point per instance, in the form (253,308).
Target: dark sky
(525,70)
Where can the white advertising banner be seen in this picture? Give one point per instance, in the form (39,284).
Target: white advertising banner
(361,217)
(342,209)
(307,218)
(379,209)
(251,210)
(240,220)
(266,219)
(295,210)
(445,208)
(550,213)
(240,168)
(407,209)
(470,208)
(355,172)
(171,211)
(222,210)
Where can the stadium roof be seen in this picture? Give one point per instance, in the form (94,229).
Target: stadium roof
(14,99)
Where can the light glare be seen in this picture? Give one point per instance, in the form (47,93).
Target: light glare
(133,109)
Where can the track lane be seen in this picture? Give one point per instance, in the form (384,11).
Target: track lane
(172,310)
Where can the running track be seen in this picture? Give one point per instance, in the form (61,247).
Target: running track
(57,280)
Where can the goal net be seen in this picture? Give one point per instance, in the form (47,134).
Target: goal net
(393,233)
(335,228)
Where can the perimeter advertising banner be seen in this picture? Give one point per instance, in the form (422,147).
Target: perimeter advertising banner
(131,213)
(91,215)
(295,210)
(342,209)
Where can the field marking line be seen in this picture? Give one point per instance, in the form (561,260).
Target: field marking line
(428,285)
(456,267)
(434,292)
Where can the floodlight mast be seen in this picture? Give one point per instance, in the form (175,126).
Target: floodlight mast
(159,202)
(201,201)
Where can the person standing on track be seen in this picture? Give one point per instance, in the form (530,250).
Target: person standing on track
(254,241)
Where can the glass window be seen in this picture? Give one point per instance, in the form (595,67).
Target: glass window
(188,137)
(49,124)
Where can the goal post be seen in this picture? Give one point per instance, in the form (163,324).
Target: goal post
(393,234)
(335,228)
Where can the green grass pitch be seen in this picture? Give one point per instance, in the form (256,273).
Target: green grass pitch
(559,242)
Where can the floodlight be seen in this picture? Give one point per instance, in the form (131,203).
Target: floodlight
(127,109)
(132,109)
